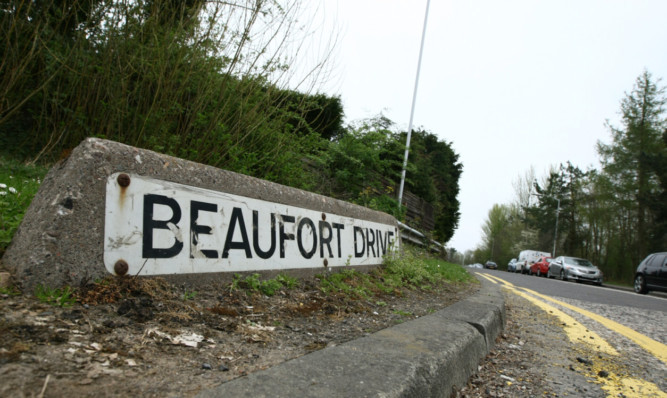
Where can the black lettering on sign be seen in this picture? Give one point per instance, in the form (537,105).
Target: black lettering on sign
(299,235)
(283,235)
(255,236)
(148,251)
(196,229)
(358,231)
(387,241)
(325,240)
(237,217)
(338,227)
(370,239)
(382,243)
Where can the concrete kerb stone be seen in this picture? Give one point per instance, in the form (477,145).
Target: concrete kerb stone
(484,311)
(61,238)
(426,357)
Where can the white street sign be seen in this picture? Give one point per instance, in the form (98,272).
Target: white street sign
(159,227)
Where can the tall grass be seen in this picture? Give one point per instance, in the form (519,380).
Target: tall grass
(18,185)
(205,81)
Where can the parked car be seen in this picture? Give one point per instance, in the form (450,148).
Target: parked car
(490,265)
(511,266)
(573,268)
(651,273)
(541,266)
(528,258)
(476,265)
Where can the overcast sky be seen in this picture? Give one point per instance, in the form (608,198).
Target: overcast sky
(512,84)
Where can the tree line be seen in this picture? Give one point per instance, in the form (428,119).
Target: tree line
(614,215)
(209,81)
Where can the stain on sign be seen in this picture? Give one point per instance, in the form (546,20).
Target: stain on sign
(155,227)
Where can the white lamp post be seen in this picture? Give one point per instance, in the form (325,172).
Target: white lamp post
(412,111)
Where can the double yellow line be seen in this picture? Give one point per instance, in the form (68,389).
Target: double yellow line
(577,333)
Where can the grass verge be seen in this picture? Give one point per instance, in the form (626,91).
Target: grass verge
(18,185)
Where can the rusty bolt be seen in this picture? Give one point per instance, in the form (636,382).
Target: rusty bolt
(326,262)
(123,180)
(324,217)
(121,267)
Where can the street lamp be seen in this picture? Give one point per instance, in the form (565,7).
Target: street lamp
(412,110)
(553,254)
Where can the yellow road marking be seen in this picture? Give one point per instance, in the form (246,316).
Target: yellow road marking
(656,348)
(576,332)
(614,384)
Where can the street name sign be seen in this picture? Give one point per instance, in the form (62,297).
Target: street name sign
(155,227)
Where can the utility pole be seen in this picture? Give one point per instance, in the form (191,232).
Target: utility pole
(412,111)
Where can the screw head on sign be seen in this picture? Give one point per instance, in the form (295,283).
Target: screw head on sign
(326,262)
(123,180)
(121,267)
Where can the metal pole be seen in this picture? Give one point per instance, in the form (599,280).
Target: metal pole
(556,231)
(412,111)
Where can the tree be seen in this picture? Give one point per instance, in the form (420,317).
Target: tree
(625,161)
(208,81)
(434,175)
(502,229)
(560,198)
(657,162)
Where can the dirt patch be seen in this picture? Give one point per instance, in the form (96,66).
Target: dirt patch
(150,338)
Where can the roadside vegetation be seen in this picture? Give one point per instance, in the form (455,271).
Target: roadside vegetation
(241,99)
(614,215)
(412,269)
(18,185)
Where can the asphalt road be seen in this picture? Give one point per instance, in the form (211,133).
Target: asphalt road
(585,292)
(593,341)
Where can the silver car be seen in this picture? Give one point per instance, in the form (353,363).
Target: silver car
(578,269)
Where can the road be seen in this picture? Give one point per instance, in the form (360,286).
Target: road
(570,339)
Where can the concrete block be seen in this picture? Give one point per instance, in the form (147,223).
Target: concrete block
(61,239)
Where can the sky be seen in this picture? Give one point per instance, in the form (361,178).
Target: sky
(512,84)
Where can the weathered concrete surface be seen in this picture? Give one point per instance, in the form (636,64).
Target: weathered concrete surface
(427,357)
(61,239)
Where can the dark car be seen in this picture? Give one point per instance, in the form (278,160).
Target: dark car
(541,266)
(490,265)
(651,273)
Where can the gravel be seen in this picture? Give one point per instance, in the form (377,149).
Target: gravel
(533,357)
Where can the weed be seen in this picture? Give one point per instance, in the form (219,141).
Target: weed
(288,281)
(59,297)
(9,291)
(402,313)
(269,287)
(235,285)
(189,295)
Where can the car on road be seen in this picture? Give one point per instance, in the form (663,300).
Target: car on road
(528,258)
(541,266)
(651,273)
(476,265)
(574,268)
(490,265)
(511,266)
